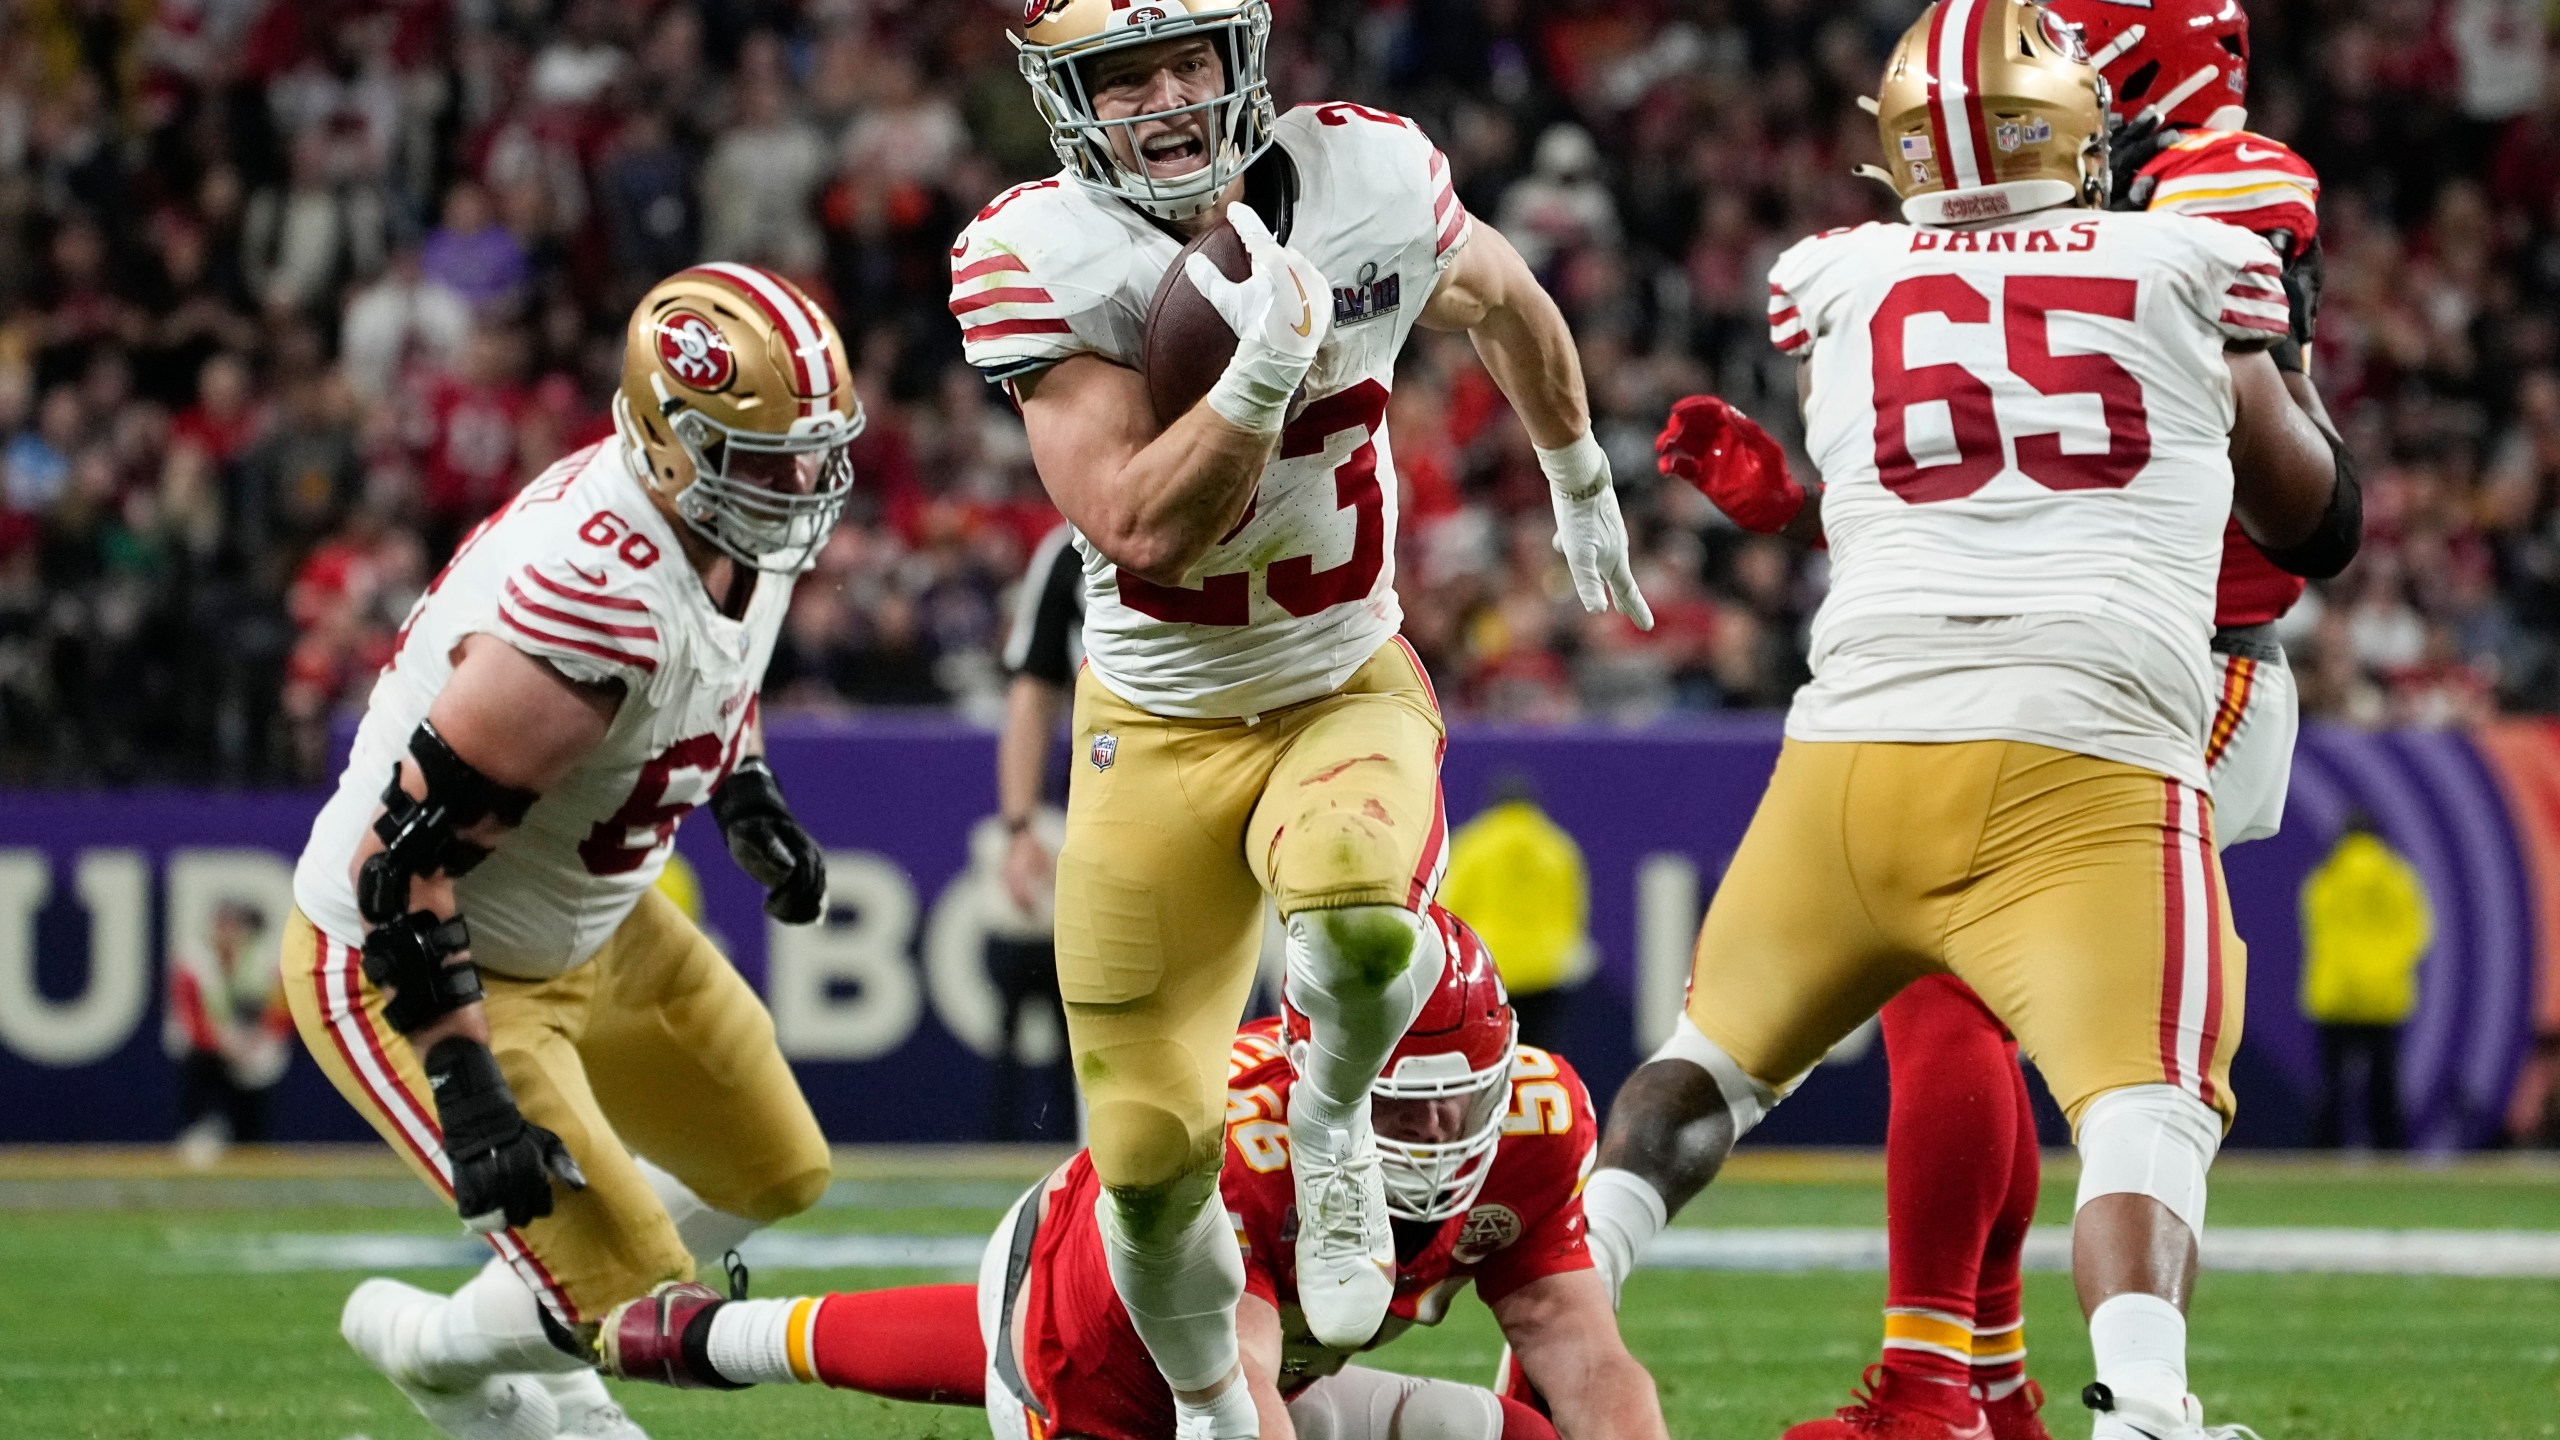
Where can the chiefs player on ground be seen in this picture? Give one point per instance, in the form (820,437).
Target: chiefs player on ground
(478,957)
(1961,1163)
(1248,724)
(1485,1144)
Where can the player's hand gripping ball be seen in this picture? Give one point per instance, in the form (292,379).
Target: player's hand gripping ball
(1726,454)
(1238,318)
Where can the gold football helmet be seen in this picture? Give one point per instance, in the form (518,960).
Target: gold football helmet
(1990,108)
(737,406)
(1059,38)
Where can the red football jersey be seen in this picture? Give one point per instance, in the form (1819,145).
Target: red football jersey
(1082,1360)
(2242,178)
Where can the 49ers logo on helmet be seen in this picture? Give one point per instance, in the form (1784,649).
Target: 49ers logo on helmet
(695,352)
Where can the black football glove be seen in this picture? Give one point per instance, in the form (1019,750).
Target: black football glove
(770,845)
(503,1164)
(2304,274)
(2130,146)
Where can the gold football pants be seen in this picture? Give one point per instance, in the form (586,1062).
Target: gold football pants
(2080,898)
(1176,829)
(654,1046)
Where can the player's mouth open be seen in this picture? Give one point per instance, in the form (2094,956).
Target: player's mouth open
(1173,152)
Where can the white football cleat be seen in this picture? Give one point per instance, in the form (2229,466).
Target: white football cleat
(1346,1253)
(2131,1418)
(587,1411)
(382,1320)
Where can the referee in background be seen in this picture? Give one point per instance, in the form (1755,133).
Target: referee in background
(1042,652)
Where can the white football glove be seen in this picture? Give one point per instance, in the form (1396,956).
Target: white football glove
(1590,532)
(1280,313)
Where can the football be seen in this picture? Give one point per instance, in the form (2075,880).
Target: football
(1187,342)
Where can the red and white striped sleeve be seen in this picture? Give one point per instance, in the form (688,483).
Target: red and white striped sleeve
(2253,304)
(1448,213)
(589,622)
(1012,318)
(1792,283)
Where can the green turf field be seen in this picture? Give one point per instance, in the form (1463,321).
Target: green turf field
(125,1313)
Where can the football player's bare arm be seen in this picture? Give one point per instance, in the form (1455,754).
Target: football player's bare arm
(1565,1334)
(1528,349)
(1258,1345)
(521,724)
(2293,493)
(1033,708)
(1521,335)
(1153,504)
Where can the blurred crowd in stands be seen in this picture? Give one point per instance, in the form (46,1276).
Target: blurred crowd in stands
(292,293)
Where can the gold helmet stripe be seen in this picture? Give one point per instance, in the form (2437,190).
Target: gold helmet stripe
(813,364)
(1955,90)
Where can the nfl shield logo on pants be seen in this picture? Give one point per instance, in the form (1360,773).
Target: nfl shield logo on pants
(1106,747)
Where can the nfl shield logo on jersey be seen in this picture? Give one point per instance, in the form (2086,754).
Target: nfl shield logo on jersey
(1106,748)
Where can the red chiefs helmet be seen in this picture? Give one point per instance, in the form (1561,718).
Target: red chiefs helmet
(2186,59)
(1459,1047)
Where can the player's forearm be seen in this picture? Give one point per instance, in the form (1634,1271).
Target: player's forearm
(1175,497)
(1022,752)
(1528,350)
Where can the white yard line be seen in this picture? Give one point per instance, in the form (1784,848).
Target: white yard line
(2494,1253)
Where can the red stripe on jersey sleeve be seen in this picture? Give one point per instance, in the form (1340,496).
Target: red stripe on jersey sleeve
(1449,229)
(532,606)
(999,329)
(1015,295)
(2248,321)
(567,642)
(992,265)
(583,597)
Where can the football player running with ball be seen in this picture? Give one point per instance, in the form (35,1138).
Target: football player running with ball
(2036,420)
(1960,1149)
(478,957)
(1484,1143)
(1249,723)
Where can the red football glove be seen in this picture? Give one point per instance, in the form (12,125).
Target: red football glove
(1726,454)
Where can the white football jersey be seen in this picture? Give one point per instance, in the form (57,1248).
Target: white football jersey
(583,572)
(2023,429)
(1302,592)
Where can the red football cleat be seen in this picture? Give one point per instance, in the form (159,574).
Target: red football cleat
(2014,1417)
(1881,1414)
(661,1337)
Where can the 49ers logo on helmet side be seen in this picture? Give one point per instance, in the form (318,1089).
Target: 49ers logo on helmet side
(695,352)
(1035,11)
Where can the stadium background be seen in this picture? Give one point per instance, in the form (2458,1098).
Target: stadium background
(290,294)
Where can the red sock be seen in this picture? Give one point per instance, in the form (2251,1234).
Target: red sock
(1948,1150)
(920,1343)
(1999,1324)
(1519,1422)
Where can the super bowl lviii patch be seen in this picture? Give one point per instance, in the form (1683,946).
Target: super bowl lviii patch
(2015,135)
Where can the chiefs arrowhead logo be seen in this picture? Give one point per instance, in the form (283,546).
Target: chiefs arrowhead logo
(695,353)
(1488,1228)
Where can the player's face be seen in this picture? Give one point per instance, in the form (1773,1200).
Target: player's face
(1421,1122)
(1151,80)
(778,471)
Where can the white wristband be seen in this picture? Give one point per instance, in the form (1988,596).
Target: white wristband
(1253,394)
(1577,469)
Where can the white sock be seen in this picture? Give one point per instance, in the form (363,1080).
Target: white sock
(1181,1291)
(707,1233)
(750,1340)
(491,1326)
(1622,1212)
(1353,1023)
(2140,1344)
(1229,1415)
